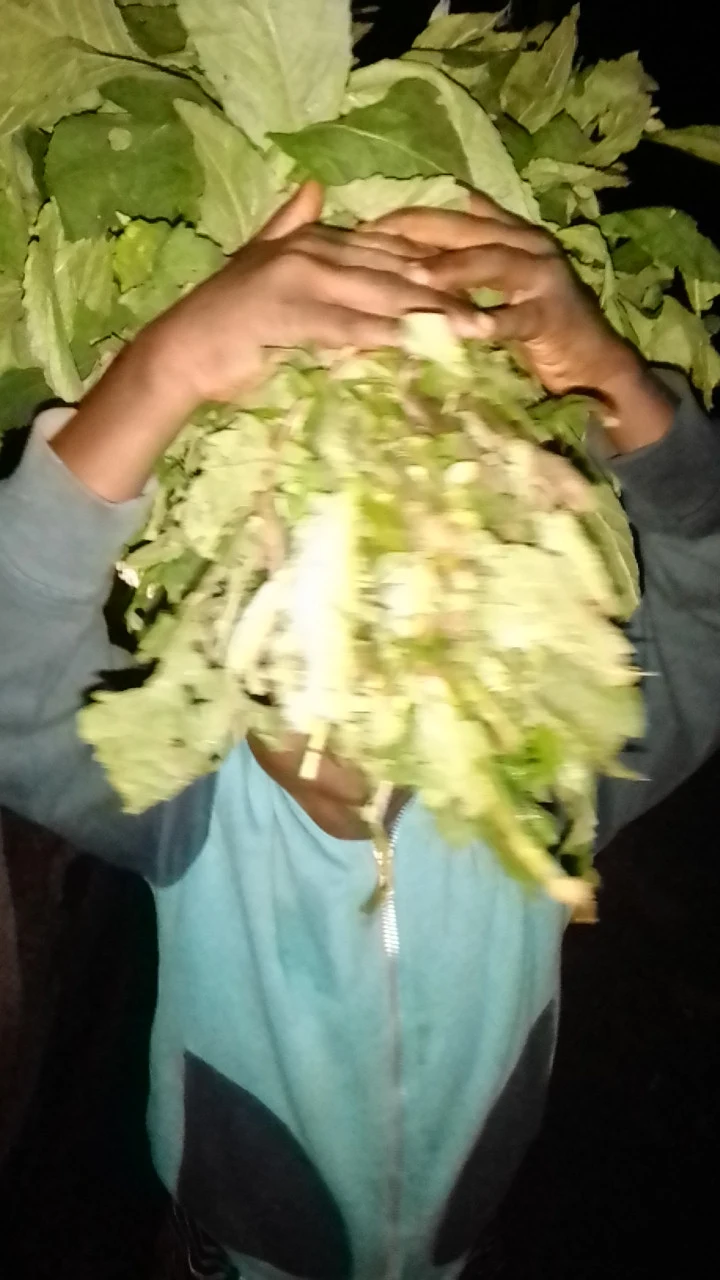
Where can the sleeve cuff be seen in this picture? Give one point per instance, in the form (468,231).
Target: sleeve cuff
(674,485)
(54,530)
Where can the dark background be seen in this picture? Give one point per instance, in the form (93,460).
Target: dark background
(622,1182)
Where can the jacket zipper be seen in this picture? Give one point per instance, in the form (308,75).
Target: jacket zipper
(391,947)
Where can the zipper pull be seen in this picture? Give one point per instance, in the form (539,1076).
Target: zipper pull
(374,814)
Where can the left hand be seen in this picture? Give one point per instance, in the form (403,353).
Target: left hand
(552,319)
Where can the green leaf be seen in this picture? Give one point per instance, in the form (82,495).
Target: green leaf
(368,198)
(451,31)
(178,260)
(100,165)
(544,173)
(562,139)
(48,328)
(136,250)
(490,167)
(157,29)
(537,83)
(84,277)
(152,94)
(21,392)
(405,135)
(701,140)
(672,240)
(14,342)
(678,338)
(69,299)
(97,23)
(613,99)
(18,205)
(610,529)
(275,65)
(239,194)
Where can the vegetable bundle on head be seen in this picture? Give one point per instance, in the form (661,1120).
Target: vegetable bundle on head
(379,545)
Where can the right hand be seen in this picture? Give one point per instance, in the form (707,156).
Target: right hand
(294,283)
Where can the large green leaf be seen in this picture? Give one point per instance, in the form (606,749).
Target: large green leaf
(537,83)
(671,239)
(18,205)
(701,140)
(488,162)
(100,165)
(157,29)
(275,65)
(14,343)
(97,23)
(239,192)
(368,198)
(48,328)
(150,93)
(406,134)
(45,70)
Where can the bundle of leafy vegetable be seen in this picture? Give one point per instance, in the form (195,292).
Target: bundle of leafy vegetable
(390,549)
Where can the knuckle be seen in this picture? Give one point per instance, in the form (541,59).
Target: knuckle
(551,272)
(295,264)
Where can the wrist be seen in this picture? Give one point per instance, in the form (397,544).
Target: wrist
(159,372)
(636,408)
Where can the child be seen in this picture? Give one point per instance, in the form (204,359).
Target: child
(336,1094)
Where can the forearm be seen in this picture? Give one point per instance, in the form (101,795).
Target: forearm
(125,422)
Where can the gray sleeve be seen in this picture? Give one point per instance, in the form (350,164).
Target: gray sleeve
(671,492)
(58,543)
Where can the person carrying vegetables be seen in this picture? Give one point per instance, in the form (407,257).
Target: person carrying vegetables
(338,1093)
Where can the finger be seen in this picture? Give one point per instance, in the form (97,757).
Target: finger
(386,293)
(479,232)
(304,207)
(398,246)
(444,228)
(515,272)
(355,253)
(338,326)
(482,206)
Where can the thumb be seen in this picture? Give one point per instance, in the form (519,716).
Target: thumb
(303,207)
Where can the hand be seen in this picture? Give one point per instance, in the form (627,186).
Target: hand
(549,317)
(555,322)
(295,283)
